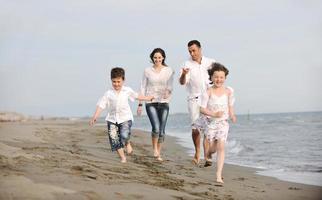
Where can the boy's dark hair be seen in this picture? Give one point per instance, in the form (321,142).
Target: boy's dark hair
(217,67)
(117,72)
(196,42)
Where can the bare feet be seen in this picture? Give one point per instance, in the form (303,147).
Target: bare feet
(208,159)
(159,159)
(195,161)
(156,154)
(208,163)
(219,180)
(209,155)
(123,160)
(129,149)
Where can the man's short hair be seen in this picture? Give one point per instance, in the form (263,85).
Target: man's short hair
(196,42)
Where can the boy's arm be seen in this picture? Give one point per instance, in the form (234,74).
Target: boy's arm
(142,91)
(135,96)
(145,98)
(96,115)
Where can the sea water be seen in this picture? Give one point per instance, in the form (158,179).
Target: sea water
(287,146)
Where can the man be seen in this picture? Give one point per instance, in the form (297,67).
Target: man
(194,76)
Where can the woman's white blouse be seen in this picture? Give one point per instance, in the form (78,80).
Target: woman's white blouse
(117,104)
(157,84)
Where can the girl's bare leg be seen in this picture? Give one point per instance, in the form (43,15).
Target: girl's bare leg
(220,160)
(212,147)
(206,145)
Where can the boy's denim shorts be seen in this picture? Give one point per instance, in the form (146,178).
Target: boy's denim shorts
(119,134)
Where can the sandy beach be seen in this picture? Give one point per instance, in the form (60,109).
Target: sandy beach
(63,159)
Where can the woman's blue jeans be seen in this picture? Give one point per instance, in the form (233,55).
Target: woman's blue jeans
(158,115)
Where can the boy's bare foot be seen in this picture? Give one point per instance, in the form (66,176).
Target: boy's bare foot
(123,160)
(129,149)
(155,154)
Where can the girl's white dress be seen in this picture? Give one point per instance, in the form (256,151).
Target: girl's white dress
(217,128)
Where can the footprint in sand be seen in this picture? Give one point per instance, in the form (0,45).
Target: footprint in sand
(294,188)
(240,179)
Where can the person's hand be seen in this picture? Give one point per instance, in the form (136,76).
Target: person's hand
(218,114)
(151,98)
(233,118)
(92,122)
(185,70)
(166,94)
(139,111)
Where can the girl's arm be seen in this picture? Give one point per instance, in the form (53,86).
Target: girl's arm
(232,114)
(210,113)
(231,101)
(203,108)
(96,115)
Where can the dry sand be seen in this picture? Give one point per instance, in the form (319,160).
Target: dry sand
(54,159)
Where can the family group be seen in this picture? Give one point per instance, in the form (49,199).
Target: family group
(210,105)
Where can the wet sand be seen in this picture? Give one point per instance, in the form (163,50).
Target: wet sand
(62,159)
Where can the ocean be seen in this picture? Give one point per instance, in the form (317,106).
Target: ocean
(287,146)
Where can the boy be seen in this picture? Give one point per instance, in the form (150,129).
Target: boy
(119,115)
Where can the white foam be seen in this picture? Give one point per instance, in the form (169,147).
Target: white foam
(309,178)
(234,147)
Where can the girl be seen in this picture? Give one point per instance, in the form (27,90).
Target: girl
(218,106)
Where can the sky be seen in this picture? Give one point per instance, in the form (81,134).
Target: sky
(56,56)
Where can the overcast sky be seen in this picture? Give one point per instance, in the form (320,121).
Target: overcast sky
(55,56)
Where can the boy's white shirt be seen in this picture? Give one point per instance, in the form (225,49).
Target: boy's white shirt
(117,104)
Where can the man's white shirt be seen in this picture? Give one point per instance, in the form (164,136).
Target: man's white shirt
(197,79)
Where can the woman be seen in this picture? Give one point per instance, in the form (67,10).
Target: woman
(157,81)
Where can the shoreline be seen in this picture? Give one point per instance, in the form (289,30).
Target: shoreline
(62,159)
(262,171)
